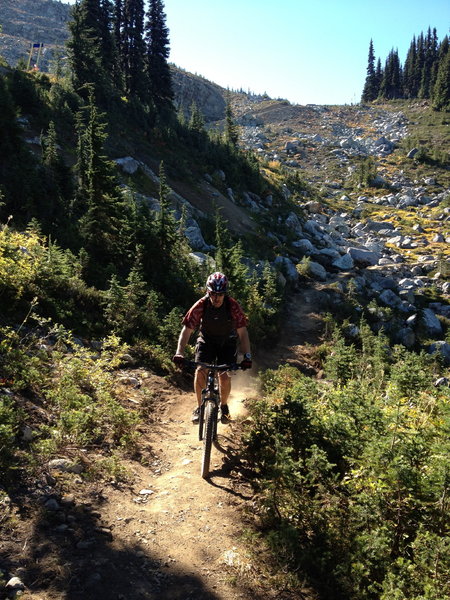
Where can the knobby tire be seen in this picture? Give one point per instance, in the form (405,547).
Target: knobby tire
(209,432)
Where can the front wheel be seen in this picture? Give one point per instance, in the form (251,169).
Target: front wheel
(210,427)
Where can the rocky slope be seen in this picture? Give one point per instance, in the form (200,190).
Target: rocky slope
(26,22)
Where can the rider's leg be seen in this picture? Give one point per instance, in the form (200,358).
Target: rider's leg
(199,383)
(225,387)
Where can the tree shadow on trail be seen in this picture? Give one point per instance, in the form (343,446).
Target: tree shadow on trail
(70,554)
(233,469)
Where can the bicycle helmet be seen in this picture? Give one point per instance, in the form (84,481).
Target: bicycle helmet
(217,282)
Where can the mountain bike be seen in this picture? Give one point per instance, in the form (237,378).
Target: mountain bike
(209,410)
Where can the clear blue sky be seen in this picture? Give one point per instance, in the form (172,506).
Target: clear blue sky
(308,51)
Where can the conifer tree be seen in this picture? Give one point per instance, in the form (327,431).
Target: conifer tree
(105,225)
(441,89)
(58,183)
(159,79)
(166,225)
(231,129)
(378,76)
(409,84)
(196,121)
(429,64)
(132,46)
(108,48)
(370,91)
(173,271)
(89,48)
(418,68)
(391,85)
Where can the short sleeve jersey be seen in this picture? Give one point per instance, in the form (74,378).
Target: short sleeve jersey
(193,317)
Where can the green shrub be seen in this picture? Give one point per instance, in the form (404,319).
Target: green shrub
(353,472)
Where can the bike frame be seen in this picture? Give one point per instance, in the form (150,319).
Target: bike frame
(209,409)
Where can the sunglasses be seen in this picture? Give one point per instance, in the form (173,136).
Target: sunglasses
(217,294)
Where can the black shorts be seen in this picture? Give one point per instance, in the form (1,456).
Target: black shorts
(216,351)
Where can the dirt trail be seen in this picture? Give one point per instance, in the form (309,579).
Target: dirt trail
(168,534)
(189,527)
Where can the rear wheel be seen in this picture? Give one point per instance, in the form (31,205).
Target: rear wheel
(210,428)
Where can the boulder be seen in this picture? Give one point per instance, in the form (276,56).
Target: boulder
(203,259)
(293,223)
(343,263)
(442,348)
(378,226)
(431,323)
(317,271)
(412,153)
(363,257)
(390,299)
(406,337)
(305,246)
(290,147)
(64,465)
(194,236)
(287,267)
(128,164)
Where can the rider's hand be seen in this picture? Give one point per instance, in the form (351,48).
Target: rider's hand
(178,360)
(246,364)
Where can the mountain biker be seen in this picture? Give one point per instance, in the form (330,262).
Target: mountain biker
(221,322)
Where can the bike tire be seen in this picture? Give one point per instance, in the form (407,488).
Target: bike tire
(201,421)
(210,422)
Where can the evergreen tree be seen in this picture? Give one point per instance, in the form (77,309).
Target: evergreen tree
(378,76)
(409,83)
(370,91)
(157,68)
(174,273)
(105,225)
(166,225)
(231,129)
(89,48)
(108,47)
(58,184)
(391,85)
(223,243)
(428,75)
(132,46)
(441,90)
(418,69)
(196,121)
(117,17)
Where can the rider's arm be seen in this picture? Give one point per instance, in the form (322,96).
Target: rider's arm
(185,334)
(244,339)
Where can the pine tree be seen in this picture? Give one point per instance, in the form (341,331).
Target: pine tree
(418,69)
(231,129)
(428,67)
(409,86)
(378,77)
(58,184)
(105,225)
(132,46)
(391,85)
(166,225)
(441,90)
(196,121)
(370,91)
(223,243)
(159,79)
(108,48)
(89,58)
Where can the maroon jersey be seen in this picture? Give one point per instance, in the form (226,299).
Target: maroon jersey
(215,321)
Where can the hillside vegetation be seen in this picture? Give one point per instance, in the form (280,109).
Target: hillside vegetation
(114,208)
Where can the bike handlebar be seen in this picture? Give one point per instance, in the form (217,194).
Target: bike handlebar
(194,363)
